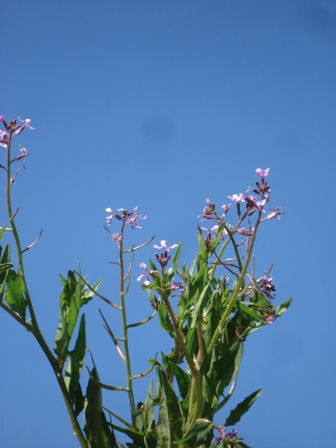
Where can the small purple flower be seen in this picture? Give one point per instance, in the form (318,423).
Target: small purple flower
(266,286)
(246,232)
(25,125)
(146,272)
(109,218)
(262,173)
(237,197)
(2,118)
(133,220)
(4,138)
(275,213)
(226,208)
(208,212)
(164,246)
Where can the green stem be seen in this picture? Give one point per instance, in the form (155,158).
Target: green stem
(34,325)
(125,329)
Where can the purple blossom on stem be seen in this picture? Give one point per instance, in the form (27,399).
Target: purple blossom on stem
(4,138)
(266,286)
(109,218)
(275,213)
(146,272)
(237,197)
(25,125)
(2,118)
(164,246)
(133,221)
(262,173)
(208,212)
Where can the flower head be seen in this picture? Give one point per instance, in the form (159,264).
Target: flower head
(146,272)
(266,286)
(164,246)
(134,218)
(109,218)
(262,173)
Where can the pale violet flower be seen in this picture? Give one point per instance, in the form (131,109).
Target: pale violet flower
(109,218)
(262,173)
(164,246)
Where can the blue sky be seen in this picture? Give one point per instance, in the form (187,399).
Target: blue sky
(162,104)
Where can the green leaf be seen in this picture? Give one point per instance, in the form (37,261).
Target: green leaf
(149,408)
(177,256)
(201,302)
(96,427)
(165,321)
(221,372)
(62,339)
(14,294)
(76,361)
(242,408)
(197,433)
(87,294)
(183,379)
(191,341)
(283,307)
(2,231)
(139,421)
(170,424)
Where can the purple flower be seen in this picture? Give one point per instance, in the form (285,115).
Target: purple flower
(164,246)
(2,118)
(275,213)
(146,272)
(266,286)
(208,212)
(25,125)
(4,138)
(262,173)
(109,218)
(237,197)
(133,220)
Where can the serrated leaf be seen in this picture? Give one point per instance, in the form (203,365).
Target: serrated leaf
(242,408)
(14,293)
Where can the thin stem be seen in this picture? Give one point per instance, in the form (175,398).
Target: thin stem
(125,329)
(35,327)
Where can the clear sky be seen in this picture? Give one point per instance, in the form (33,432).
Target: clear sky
(162,104)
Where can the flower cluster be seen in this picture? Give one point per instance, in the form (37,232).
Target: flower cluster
(129,218)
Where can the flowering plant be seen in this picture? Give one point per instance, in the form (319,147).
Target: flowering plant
(220,302)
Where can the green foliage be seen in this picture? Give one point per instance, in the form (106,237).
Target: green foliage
(97,430)
(15,293)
